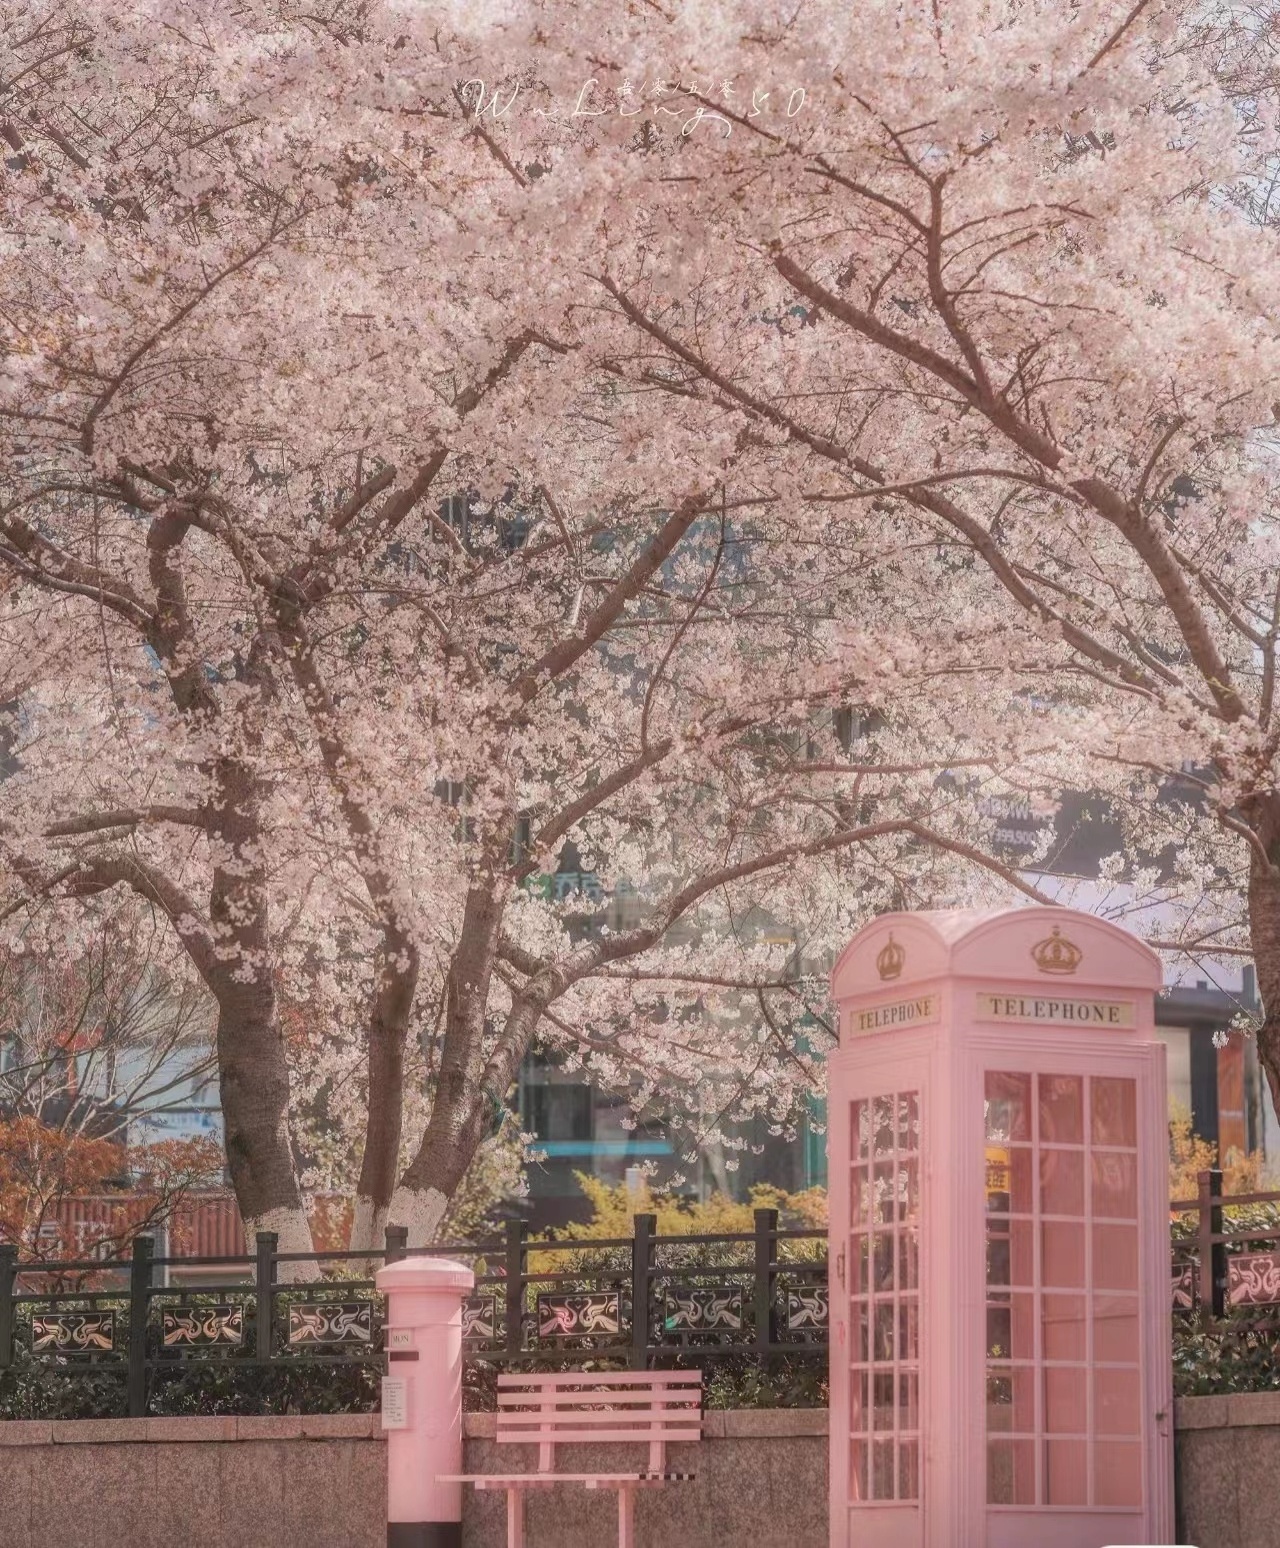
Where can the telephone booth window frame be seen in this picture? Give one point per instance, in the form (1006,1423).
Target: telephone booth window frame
(1064,1380)
(884,1297)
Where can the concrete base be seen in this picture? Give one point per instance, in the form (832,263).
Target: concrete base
(320,1482)
(1228,1470)
(424,1534)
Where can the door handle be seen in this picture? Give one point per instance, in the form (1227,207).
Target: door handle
(840,1267)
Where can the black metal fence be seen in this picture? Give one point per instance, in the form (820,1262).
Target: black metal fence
(1226,1259)
(643,1301)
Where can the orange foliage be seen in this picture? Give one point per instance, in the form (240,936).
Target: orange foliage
(331,1215)
(42,1168)
(1189,1156)
(41,1165)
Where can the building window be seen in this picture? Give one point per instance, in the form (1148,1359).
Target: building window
(552,1107)
(521,841)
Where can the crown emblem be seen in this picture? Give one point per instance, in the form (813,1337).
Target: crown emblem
(890,960)
(1057,954)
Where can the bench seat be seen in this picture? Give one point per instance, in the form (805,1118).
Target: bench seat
(651,1408)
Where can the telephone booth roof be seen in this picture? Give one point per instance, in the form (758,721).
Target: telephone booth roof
(1032,944)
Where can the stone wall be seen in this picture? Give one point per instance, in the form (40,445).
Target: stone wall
(315,1482)
(320,1482)
(1228,1468)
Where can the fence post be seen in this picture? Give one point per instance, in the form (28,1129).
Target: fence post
(268,1242)
(1211,1256)
(641,1263)
(8,1277)
(396,1241)
(766,1314)
(516,1263)
(139,1309)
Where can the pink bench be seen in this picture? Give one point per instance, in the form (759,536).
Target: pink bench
(652,1407)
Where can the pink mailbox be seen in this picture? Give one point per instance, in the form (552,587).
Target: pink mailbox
(1000,1310)
(422,1399)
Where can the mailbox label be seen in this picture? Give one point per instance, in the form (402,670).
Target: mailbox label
(395,1403)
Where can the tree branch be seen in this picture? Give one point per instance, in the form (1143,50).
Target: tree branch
(103,401)
(1107,502)
(1114,40)
(556,661)
(978,857)
(127,817)
(101,873)
(47,565)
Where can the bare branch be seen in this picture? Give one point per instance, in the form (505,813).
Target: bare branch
(1114,40)
(556,661)
(104,399)
(127,817)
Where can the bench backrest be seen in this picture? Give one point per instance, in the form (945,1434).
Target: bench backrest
(649,1406)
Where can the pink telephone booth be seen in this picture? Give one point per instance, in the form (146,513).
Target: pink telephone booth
(1000,1323)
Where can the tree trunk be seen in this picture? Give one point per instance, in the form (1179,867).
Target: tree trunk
(253,1077)
(447,1150)
(396,967)
(253,1067)
(396,980)
(1264,935)
(459,1114)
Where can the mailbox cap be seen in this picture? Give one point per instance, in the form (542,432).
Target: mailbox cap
(426,1273)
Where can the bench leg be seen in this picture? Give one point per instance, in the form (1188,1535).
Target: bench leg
(626,1518)
(515,1518)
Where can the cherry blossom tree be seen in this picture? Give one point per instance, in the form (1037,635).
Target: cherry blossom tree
(426,444)
(1030,271)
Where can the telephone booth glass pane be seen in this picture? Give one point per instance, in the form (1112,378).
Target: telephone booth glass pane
(1064,1383)
(884,1292)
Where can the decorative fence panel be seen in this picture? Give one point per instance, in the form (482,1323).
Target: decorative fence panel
(641,1301)
(1225,1267)
(1226,1289)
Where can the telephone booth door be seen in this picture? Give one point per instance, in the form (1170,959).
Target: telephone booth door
(878,1195)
